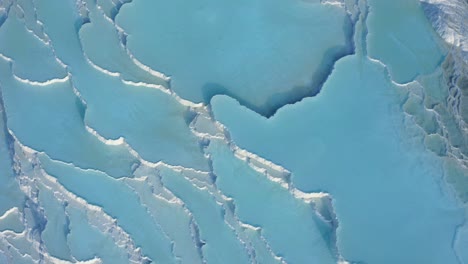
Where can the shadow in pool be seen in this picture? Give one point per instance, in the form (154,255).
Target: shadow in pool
(295,94)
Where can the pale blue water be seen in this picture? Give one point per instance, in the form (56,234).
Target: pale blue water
(260,202)
(11,195)
(39,63)
(284,131)
(62,121)
(177,221)
(399,37)
(214,47)
(344,152)
(119,202)
(97,243)
(222,245)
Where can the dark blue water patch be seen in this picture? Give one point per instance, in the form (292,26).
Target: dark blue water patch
(37,216)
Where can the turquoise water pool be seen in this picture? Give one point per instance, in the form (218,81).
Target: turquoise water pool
(284,131)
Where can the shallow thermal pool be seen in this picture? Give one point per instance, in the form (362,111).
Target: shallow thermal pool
(260,131)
